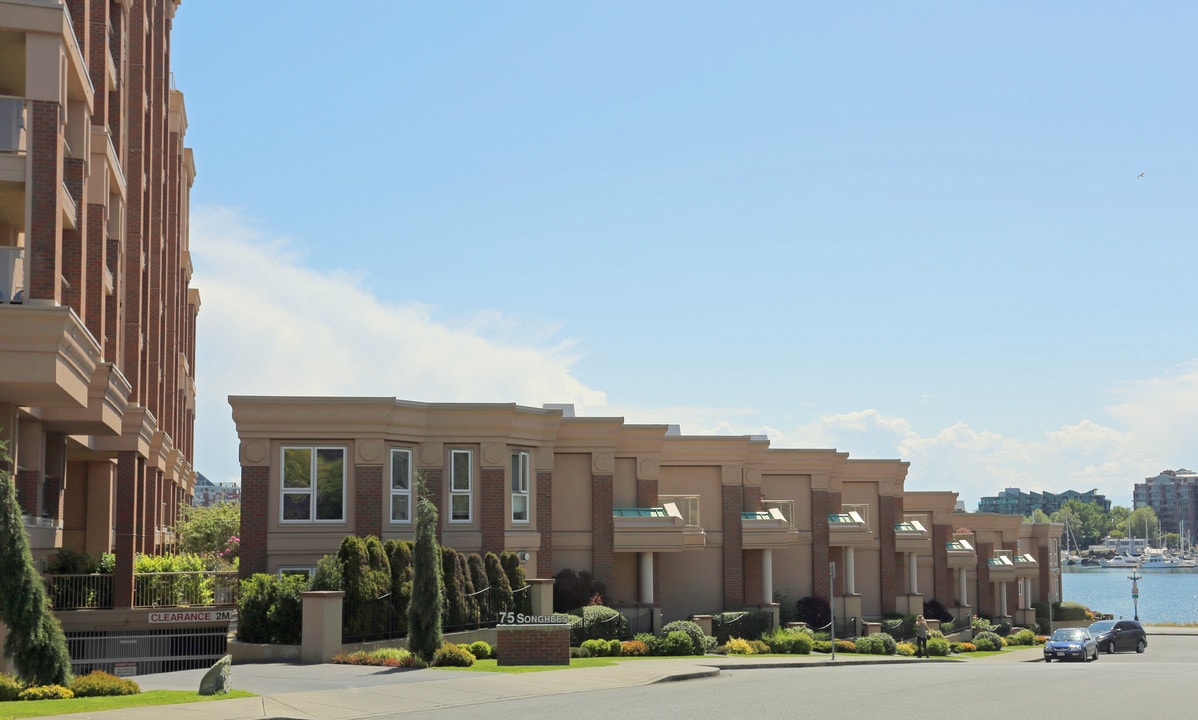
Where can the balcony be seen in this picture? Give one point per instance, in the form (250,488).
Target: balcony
(849,527)
(912,535)
(1002,567)
(766,530)
(655,529)
(1026,565)
(961,552)
(12,275)
(47,357)
(44,533)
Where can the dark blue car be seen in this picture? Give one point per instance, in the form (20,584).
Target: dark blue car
(1066,643)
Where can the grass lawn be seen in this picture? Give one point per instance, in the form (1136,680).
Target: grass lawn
(41,708)
(493,665)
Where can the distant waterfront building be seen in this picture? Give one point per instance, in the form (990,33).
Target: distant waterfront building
(1014,501)
(1173,496)
(208,493)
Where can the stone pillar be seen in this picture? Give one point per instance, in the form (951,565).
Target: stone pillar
(962,588)
(322,626)
(645,559)
(1002,599)
(540,595)
(850,572)
(767,576)
(912,574)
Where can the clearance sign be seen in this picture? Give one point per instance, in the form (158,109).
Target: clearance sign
(192,616)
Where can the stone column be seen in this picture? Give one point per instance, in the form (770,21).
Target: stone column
(962,588)
(850,579)
(322,626)
(912,574)
(767,576)
(645,560)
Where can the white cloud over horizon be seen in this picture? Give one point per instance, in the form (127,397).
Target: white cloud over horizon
(271,326)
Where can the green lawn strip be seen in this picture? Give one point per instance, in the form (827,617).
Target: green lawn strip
(494,666)
(41,708)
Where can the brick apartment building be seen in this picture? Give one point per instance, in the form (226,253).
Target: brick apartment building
(97,316)
(672,525)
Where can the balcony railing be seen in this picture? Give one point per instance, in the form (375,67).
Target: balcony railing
(12,274)
(13,136)
(80,592)
(184,589)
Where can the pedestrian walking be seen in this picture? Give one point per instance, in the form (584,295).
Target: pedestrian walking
(921,637)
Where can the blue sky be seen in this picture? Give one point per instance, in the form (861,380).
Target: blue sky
(902,230)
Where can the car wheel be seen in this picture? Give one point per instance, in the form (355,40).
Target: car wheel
(1110,648)
(1047,660)
(1095,652)
(1140,646)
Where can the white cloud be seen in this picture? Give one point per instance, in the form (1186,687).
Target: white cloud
(270,326)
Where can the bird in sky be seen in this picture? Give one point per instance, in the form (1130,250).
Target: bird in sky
(1139,176)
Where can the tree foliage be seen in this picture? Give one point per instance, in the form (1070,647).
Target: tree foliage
(209,530)
(35,641)
(424,609)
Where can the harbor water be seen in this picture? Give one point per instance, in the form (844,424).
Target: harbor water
(1166,596)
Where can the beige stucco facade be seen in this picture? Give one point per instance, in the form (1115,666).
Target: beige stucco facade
(683,525)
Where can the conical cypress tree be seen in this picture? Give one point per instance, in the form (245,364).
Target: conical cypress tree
(424,610)
(35,640)
(501,589)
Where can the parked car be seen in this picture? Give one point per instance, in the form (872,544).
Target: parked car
(1112,635)
(1071,643)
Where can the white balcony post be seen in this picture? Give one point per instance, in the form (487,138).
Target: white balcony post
(962,595)
(850,579)
(767,576)
(646,565)
(912,574)
(1002,598)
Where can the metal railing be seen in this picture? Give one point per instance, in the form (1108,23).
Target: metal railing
(12,277)
(13,136)
(185,589)
(80,592)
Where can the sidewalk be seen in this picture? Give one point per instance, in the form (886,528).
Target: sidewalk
(347,692)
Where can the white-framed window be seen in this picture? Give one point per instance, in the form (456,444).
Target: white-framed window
(313,484)
(401,486)
(520,482)
(461,485)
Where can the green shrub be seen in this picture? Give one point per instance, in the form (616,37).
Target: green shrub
(480,649)
(738,646)
(286,616)
(1023,637)
(693,631)
(1069,610)
(46,692)
(254,602)
(790,641)
(634,648)
(450,655)
(821,646)
(595,648)
(877,644)
(759,647)
(677,643)
(987,641)
(597,622)
(615,648)
(9,688)
(938,647)
(98,682)
(904,649)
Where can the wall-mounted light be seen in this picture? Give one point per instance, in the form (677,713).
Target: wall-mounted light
(523,556)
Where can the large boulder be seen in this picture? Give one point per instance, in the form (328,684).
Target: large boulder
(216,680)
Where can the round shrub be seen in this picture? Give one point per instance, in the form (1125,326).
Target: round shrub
(868,645)
(1023,637)
(759,647)
(480,649)
(595,648)
(677,643)
(9,688)
(450,655)
(987,641)
(967,647)
(597,622)
(793,641)
(938,647)
(634,648)
(738,646)
(692,629)
(904,649)
(846,646)
(821,646)
(46,692)
(615,648)
(99,683)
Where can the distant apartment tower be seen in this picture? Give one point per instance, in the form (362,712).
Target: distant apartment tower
(1173,496)
(1014,501)
(97,316)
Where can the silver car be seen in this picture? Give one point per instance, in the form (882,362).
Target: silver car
(1068,643)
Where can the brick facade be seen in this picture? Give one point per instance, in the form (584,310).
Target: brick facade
(823,504)
(890,509)
(493,512)
(368,500)
(603,532)
(731,504)
(544,520)
(255,498)
(942,575)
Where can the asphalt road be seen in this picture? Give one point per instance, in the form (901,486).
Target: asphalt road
(1156,684)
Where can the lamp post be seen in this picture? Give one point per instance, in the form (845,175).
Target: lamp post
(1135,577)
